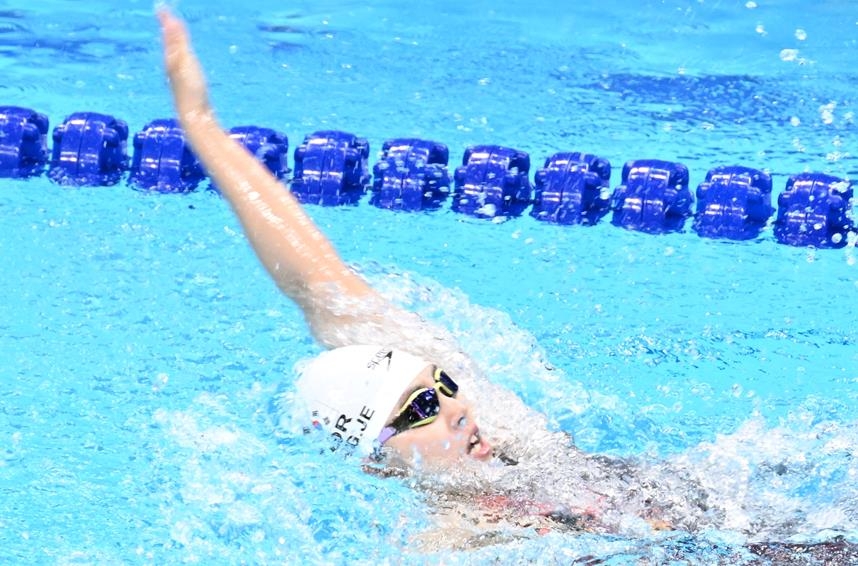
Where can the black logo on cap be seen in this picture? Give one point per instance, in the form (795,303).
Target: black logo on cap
(379,357)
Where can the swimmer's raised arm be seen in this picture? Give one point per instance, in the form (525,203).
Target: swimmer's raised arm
(299,258)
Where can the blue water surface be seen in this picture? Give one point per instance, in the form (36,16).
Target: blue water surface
(142,343)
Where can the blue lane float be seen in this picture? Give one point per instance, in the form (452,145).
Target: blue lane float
(163,161)
(492,182)
(734,202)
(815,210)
(89,150)
(653,197)
(331,168)
(411,174)
(23,142)
(269,147)
(572,188)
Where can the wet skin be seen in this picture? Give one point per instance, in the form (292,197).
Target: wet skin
(452,436)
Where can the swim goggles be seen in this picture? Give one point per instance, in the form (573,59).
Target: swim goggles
(421,408)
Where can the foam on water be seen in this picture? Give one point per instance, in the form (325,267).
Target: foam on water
(758,483)
(240,489)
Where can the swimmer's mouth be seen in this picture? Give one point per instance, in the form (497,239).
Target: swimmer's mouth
(474,441)
(478,448)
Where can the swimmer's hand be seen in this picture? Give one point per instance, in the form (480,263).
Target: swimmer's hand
(187,81)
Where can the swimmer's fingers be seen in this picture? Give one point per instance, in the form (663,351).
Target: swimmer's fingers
(175,41)
(183,69)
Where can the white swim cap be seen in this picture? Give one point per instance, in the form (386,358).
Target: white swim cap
(350,391)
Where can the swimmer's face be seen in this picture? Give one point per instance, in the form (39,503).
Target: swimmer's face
(452,436)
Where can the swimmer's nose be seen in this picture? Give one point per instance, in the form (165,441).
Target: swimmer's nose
(456,412)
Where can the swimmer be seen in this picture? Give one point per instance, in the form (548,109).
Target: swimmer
(393,388)
(403,408)
(413,404)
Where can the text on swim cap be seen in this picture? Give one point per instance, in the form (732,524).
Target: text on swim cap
(378,357)
(344,430)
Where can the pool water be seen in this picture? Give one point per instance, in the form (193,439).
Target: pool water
(142,344)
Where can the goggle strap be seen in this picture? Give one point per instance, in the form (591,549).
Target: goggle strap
(386,434)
